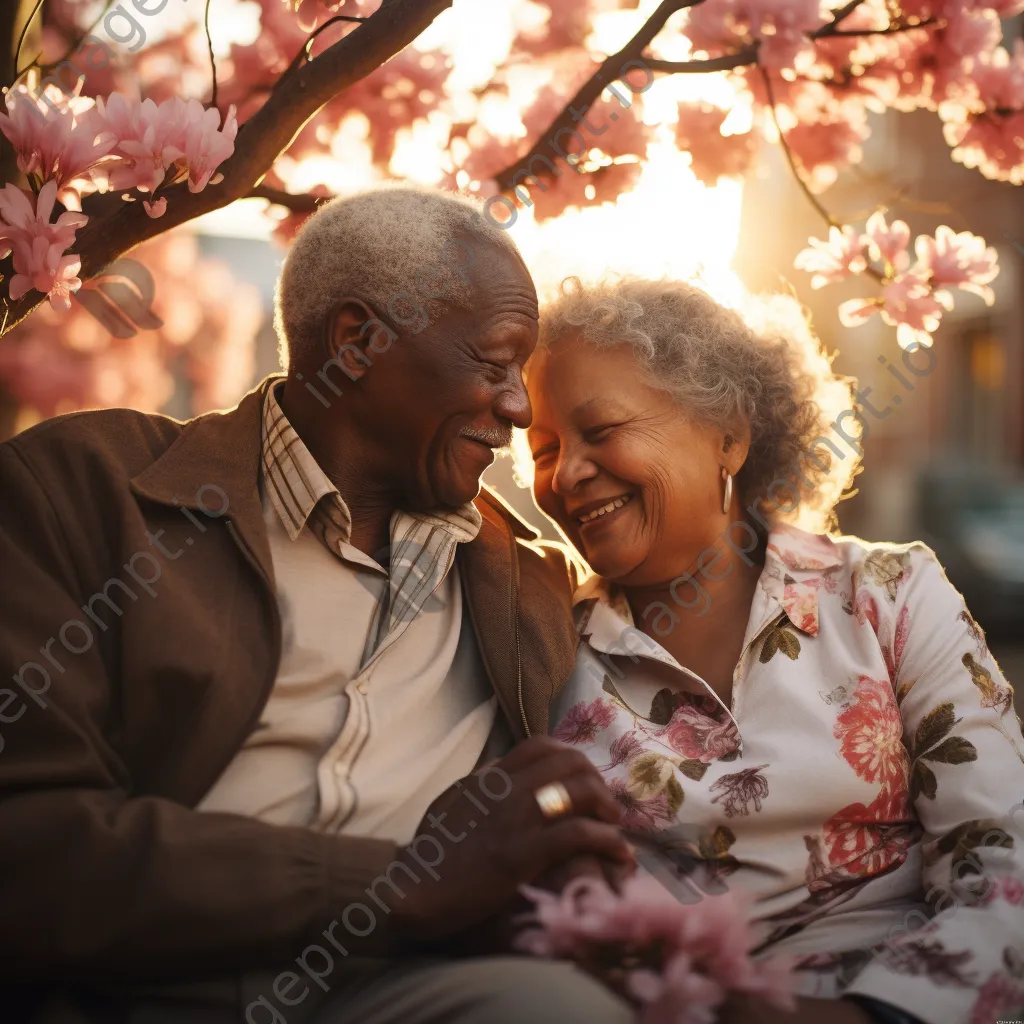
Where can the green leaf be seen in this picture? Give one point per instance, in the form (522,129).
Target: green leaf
(693,769)
(934,727)
(662,707)
(674,792)
(954,750)
(922,782)
(731,755)
(903,690)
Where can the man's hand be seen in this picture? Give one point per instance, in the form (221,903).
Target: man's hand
(742,1009)
(494,838)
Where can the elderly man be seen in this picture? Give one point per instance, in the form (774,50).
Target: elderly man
(269,666)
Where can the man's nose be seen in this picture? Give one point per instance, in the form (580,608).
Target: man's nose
(513,402)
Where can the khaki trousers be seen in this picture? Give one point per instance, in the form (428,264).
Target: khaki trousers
(485,990)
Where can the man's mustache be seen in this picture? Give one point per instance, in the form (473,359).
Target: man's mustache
(494,437)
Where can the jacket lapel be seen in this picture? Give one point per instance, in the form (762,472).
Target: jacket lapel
(217,459)
(487,567)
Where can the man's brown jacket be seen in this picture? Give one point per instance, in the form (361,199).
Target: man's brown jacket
(139,621)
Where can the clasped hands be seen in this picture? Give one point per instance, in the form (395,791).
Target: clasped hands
(471,907)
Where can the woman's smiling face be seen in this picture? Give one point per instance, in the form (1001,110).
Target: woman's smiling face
(631,480)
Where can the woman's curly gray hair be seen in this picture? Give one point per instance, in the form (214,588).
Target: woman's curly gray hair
(761,365)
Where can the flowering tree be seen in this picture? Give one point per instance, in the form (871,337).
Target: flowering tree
(179,132)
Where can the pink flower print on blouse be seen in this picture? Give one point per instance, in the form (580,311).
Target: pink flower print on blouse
(584,721)
(870,732)
(697,736)
(862,841)
(641,814)
(999,998)
(801,605)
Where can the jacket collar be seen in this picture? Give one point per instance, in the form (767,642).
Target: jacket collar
(797,566)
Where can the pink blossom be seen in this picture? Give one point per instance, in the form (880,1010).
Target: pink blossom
(834,260)
(684,959)
(583,721)
(910,305)
(985,123)
(957,260)
(207,144)
(854,312)
(712,154)
(888,242)
(156,208)
(150,138)
(38,245)
(781,26)
(57,137)
(823,145)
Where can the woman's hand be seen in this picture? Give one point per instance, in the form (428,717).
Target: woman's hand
(743,1009)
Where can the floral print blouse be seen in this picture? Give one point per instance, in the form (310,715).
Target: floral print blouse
(866,786)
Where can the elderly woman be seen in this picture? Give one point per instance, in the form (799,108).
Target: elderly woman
(807,716)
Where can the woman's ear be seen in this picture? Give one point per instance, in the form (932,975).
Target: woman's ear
(735,446)
(348,342)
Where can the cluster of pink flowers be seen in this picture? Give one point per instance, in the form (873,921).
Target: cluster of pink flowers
(70,145)
(913,296)
(781,28)
(985,123)
(38,245)
(677,962)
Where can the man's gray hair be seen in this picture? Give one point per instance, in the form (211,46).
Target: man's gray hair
(405,251)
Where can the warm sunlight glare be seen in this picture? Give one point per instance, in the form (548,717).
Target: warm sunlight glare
(669,224)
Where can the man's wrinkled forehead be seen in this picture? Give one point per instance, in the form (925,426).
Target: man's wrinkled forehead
(501,282)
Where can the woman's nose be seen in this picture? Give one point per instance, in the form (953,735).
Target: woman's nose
(572,469)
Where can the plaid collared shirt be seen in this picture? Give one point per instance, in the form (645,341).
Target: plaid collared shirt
(422,547)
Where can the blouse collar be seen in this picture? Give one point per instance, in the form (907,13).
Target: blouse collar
(797,565)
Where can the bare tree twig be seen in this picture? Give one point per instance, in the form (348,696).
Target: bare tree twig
(213,60)
(115,227)
(78,42)
(811,197)
(837,19)
(851,33)
(297,203)
(609,72)
(21,41)
(741,58)
(303,55)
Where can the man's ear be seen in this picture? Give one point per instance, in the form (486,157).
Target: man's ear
(351,336)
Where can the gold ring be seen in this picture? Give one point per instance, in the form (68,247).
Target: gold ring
(553,800)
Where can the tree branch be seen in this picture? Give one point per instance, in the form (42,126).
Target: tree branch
(297,203)
(728,61)
(115,227)
(609,72)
